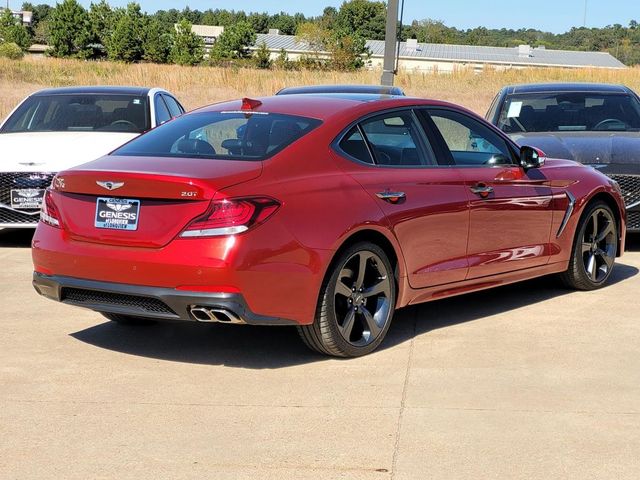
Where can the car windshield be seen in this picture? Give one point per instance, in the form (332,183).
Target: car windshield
(221,135)
(80,113)
(570,111)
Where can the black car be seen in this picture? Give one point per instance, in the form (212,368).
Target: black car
(595,124)
(370,89)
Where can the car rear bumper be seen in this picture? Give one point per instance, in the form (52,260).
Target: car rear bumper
(151,302)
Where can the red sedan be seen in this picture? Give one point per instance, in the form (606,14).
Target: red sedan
(327,212)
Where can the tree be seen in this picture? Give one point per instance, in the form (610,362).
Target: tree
(363,18)
(234,42)
(284,22)
(103,20)
(39,13)
(259,22)
(12,31)
(157,42)
(125,43)
(186,47)
(283,62)
(345,51)
(70,30)
(262,56)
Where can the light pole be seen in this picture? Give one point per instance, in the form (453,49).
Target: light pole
(584,20)
(390,42)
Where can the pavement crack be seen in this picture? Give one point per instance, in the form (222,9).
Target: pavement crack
(403,401)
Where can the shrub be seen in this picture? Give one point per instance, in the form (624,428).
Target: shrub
(262,56)
(187,48)
(11,50)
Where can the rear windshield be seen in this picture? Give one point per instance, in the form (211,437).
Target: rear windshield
(570,111)
(221,135)
(80,113)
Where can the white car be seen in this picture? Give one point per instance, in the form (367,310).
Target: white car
(55,129)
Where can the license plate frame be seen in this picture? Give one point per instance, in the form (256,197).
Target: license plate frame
(27,198)
(117,213)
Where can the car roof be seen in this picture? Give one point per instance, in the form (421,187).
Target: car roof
(321,106)
(95,90)
(371,89)
(566,87)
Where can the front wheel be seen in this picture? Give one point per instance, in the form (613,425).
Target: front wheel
(356,304)
(594,249)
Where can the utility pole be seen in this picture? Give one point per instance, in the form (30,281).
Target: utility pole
(584,20)
(390,43)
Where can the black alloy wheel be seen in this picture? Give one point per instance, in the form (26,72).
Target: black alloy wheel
(356,304)
(594,250)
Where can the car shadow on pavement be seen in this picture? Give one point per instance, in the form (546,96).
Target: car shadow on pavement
(275,347)
(16,238)
(423,318)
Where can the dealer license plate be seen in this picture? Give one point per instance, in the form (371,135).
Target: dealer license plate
(27,198)
(117,213)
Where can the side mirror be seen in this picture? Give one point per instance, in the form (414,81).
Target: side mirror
(531,157)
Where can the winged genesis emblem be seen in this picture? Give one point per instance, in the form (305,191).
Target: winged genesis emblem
(110,185)
(119,207)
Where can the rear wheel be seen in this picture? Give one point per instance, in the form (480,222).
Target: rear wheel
(128,319)
(356,304)
(594,249)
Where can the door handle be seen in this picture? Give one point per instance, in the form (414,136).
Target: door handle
(482,190)
(391,197)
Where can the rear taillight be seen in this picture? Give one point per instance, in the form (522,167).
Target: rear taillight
(232,216)
(49,213)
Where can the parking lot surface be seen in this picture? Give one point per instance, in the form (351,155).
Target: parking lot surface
(525,381)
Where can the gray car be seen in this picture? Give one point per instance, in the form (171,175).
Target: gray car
(595,124)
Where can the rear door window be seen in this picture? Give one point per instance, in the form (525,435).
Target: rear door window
(469,141)
(391,139)
(175,109)
(162,112)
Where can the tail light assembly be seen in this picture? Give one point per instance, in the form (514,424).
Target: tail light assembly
(49,213)
(231,216)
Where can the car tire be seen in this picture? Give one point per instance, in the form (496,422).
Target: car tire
(594,249)
(128,319)
(356,304)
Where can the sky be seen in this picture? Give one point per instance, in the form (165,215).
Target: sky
(549,15)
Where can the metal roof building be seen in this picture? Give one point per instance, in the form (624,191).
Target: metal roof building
(443,57)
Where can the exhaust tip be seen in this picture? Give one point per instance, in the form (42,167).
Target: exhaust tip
(215,314)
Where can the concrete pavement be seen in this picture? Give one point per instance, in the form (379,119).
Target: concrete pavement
(527,381)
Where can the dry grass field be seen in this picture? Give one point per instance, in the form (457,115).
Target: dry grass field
(197,86)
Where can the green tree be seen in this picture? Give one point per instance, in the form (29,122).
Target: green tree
(103,20)
(234,41)
(284,22)
(70,31)
(283,62)
(259,22)
(12,31)
(39,12)
(157,42)
(262,56)
(345,52)
(126,43)
(186,47)
(41,32)
(363,18)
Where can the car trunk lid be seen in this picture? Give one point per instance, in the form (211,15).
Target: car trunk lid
(146,203)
